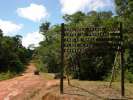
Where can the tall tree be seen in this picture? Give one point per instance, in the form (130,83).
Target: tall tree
(124,10)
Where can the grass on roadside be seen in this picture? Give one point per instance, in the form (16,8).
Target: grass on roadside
(6,75)
(48,76)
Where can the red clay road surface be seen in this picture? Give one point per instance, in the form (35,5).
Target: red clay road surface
(24,87)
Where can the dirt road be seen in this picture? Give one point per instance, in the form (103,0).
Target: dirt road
(37,87)
(24,87)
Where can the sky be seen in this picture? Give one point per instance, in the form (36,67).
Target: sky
(24,17)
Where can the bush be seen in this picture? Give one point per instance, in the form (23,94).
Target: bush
(129,77)
(17,67)
(6,75)
(96,66)
(40,65)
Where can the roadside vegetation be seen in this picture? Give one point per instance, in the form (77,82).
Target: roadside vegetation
(13,56)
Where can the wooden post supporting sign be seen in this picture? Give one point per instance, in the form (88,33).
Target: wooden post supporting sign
(62,58)
(122,63)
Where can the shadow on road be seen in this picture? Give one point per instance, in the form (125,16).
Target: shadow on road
(79,90)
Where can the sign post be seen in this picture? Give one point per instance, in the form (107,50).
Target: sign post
(122,63)
(79,39)
(62,58)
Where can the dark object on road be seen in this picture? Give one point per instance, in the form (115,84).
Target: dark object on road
(58,76)
(36,72)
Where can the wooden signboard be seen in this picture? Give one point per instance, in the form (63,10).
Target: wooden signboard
(76,40)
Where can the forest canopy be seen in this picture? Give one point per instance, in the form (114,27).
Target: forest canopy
(13,56)
(94,65)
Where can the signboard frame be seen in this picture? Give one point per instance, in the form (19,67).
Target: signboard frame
(79,39)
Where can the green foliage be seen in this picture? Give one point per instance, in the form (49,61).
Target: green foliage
(17,66)
(124,10)
(48,54)
(6,75)
(75,18)
(94,65)
(13,55)
(40,65)
(129,76)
